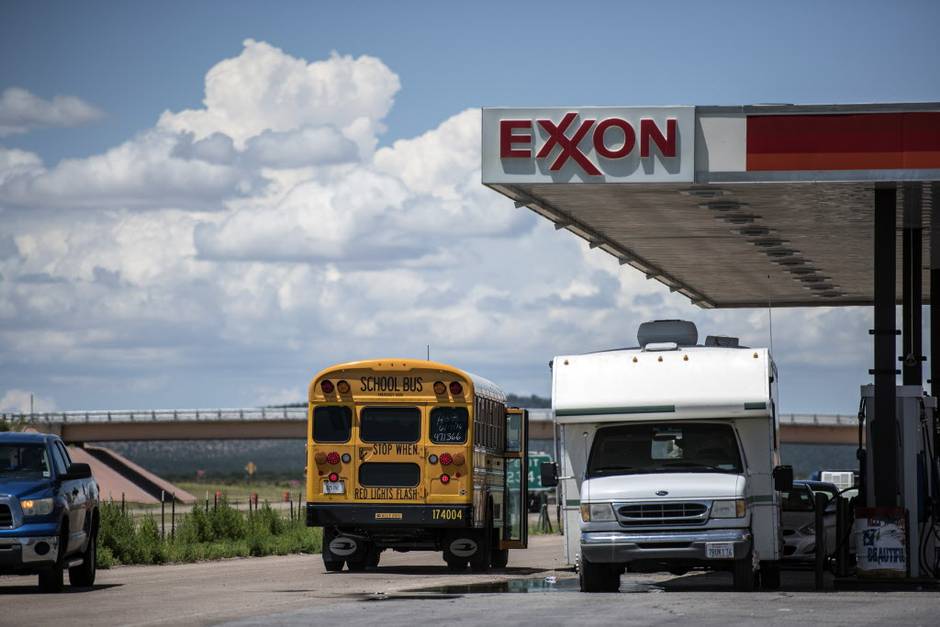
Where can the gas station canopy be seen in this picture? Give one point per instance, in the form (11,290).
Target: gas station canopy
(744,206)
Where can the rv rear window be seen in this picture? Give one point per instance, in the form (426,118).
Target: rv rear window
(670,447)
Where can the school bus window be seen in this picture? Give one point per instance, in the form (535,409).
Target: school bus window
(390,424)
(449,425)
(389,475)
(332,423)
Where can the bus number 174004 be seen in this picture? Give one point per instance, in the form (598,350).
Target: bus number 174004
(446,514)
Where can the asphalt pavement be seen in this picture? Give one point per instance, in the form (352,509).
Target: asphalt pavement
(417,589)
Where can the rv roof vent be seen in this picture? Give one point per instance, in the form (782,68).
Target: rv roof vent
(721,341)
(681,332)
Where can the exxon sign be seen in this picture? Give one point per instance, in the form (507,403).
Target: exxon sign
(588,145)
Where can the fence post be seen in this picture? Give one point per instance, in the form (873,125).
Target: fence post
(173,515)
(123,509)
(162,513)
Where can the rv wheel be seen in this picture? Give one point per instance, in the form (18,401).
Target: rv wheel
(743,574)
(769,576)
(599,577)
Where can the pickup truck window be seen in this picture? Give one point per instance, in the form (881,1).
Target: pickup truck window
(65,454)
(58,461)
(670,447)
(24,461)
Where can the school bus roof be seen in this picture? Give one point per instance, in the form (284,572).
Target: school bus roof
(481,385)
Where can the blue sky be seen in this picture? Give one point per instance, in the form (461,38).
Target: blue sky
(135,60)
(169,261)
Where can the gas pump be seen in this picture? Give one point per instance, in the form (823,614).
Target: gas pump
(918,489)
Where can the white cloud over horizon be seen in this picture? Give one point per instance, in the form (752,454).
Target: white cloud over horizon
(225,255)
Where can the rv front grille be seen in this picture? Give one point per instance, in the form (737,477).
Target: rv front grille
(682,513)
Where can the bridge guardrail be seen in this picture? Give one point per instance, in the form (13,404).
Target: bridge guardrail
(161,415)
(300,413)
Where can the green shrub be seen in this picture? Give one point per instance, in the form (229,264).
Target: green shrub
(221,532)
(226,522)
(104,558)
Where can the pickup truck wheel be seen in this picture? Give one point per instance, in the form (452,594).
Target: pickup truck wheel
(83,575)
(743,574)
(51,579)
(598,577)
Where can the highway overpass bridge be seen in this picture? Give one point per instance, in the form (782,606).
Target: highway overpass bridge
(76,427)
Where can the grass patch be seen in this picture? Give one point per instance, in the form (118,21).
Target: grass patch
(204,534)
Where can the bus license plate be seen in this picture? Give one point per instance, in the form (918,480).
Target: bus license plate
(719,550)
(334,487)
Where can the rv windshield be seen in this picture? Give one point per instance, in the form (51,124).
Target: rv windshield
(664,447)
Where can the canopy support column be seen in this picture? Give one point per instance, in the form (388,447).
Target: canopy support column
(912,284)
(935,302)
(883,445)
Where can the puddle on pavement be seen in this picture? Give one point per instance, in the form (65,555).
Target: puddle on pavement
(400,596)
(540,584)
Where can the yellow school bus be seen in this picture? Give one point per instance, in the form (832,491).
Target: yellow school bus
(414,455)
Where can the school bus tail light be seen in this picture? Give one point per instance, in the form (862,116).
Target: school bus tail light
(326,386)
(445,478)
(446,459)
(333,477)
(343,387)
(455,388)
(459,459)
(332,458)
(440,388)
(320,457)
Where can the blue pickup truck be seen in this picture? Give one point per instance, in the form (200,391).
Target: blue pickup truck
(48,512)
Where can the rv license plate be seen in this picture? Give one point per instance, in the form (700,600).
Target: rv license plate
(334,487)
(719,550)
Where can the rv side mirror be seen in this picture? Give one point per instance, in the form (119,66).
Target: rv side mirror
(783,478)
(549,474)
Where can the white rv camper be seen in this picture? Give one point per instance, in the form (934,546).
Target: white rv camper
(669,458)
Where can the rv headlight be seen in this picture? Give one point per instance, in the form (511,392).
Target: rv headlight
(36,507)
(597,512)
(729,509)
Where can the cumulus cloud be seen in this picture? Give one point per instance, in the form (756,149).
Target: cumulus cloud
(21,111)
(14,162)
(226,254)
(264,89)
(312,145)
(149,171)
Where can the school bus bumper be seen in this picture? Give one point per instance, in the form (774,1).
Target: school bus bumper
(321,515)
